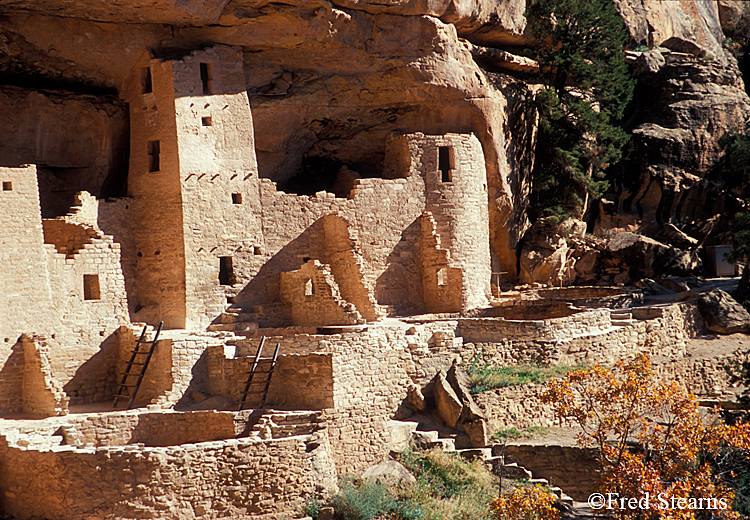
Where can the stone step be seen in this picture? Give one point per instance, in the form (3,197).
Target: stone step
(475,453)
(441,444)
(513,471)
(623,323)
(538,481)
(620,315)
(421,437)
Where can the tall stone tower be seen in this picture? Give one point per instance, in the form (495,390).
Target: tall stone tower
(193,176)
(455,247)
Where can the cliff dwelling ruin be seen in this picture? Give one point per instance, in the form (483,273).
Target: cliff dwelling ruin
(234,271)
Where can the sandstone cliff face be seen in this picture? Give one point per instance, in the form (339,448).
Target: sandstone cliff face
(690,93)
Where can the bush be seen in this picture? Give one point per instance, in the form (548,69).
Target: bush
(450,488)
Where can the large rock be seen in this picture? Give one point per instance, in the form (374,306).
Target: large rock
(447,403)
(722,313)
(545,256)
(389,472)
(647,257)
(472,420)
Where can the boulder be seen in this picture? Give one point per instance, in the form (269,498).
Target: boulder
(722,313)
(447,403)
(389,472)
(545,256)
(647,257)
(472,420)
(415,399)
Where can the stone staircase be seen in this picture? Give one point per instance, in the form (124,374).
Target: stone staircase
(492,457)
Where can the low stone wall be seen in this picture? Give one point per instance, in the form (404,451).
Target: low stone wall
(572,468)
(205,480)
(665,331)
(555,329)
(158,428)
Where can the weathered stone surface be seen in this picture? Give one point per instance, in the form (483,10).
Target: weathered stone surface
(389,472)
(722,313)
(545,256)
(447,403)
(415,399)
(647,257)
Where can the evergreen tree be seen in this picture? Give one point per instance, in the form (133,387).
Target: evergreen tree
(580,51)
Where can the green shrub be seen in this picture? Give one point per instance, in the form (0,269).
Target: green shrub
(448,487)
(368,501)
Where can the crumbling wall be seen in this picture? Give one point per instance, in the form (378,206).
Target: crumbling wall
(314,297)
(347,266)
(42,395)
(441,282)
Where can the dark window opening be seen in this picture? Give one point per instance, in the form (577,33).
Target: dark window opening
(305,259)
(231,300)
(154,149)
(257,250)
(206,78)
(7,186)
(206,121)
(226,272)
(146,83)
(91,290)
(236,198)
(445,163)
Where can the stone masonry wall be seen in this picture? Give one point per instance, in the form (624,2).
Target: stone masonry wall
(571,467)
(230,478)
(556,329)
(314,297)
(154,184)
(299,381)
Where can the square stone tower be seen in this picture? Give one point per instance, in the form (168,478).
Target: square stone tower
(193,176)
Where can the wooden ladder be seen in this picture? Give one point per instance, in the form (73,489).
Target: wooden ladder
(136,367)
(268,373)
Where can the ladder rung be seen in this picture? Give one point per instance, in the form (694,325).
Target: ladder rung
(135,363)
(129,386)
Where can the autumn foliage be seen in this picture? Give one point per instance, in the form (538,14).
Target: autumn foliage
(655,441)
(526,503)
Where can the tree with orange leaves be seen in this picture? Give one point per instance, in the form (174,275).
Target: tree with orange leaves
(662,456)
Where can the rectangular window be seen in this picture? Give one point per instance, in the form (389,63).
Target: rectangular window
(236,198)
(91,290)
(206,121)
(445,163)
(207,78)
(226,271)
(146,83)
(7,186)
(154,149)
